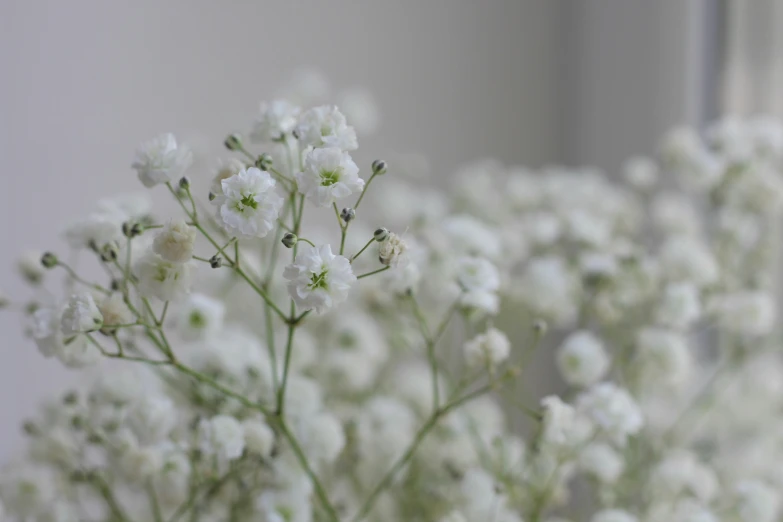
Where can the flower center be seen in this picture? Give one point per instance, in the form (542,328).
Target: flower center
(329,177)
(248,201)
(318,281)
(197,320)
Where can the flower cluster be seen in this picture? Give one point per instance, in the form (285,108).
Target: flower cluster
(283,364)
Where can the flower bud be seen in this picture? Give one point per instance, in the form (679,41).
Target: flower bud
(379,167)
(540,327)
(109,252)
(264,161)
(131,230)
(233,142)
(211,196)
(216,261)
(381,234)
(49,260)
(30,268)
(348,214)
(184,183)
(289,240)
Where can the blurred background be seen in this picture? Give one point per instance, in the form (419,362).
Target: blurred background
(530,82)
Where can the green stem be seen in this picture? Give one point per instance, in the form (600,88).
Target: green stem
(364,191)
(74,276)
(365,247)
(368,274)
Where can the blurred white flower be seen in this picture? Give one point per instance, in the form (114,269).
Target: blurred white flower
(161,160)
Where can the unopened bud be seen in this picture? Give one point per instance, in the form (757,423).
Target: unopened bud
(264,161)
(379,167)
(233,142)
(289,240)
(540,327)
(381,234)
(216,261)
(211,196)
(348,214)
(184,183)
(49,260)
(109,252)
(71,398)
(131,230)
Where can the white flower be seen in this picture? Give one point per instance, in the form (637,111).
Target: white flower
(80,315)
(223,437)
(641,172)
(200,317)
(74,352)
(94,231)
(613,515)
(756,501)
(490,348)
(225,169)
(249,204)
(329,174)
(152,418)
(479,280)
(259,437)
(319,279)
(582,360)
(141,463)
(680,305)
(470,236)
(29,265)
(613,410)
(563,427)
(325,126)
(550,290)
(163,279)
(161,160)
(745,313)
(322,437)
(686,259)
(663,356)
(681,473)
(601,461)
(115,311)
(175,242)
(275,119)
(393,251)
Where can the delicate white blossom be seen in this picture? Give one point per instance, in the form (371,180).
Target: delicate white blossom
(325,126)
(249,204)
(166,280)
(161,160)
(487,349)
(318,279)
(175,242)
(329,174)
(276,119)
(81,315)
(582,359)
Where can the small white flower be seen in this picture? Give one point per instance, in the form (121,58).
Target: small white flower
(259,437)
(393,251)
(161,160)
(490,348)
(329,174)
(687,259)
(249,204)
(94,231)
(81,315)
(601,461)
(756,501)
(141,463)
(582,359)
(223,437)
(322,437)
(163,279)
(326,126)
(275,119)
(225,169)
(319,279)
(200,317)
(479,280)
(663,356)
(29,265)
(74,352)
(563,427)
(745,313)
(613,410)
(115,311)
(175,242)
(680,305)
(152,418)
(641,172)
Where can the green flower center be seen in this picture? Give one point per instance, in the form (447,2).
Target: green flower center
(196,319)
(247,201)
(329,177)
(318,281)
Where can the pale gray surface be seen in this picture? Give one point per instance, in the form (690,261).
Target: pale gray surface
(526,81)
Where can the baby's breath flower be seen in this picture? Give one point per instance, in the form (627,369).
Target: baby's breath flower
(325,126)
(163,279)
(81,315)
(115,311)
(490,348)
(392,251)
(200,317)
(582,360)
(175,242)
(275,120)
(329,174)
(249,204)
(161,160)
(318,279)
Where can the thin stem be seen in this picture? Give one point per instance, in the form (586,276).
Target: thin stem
(365,247)
(154,504)
(368,274)
(364,191)
(162,319)
(286,363)
(307,241)
(417,440)
(74,276)
(108,496)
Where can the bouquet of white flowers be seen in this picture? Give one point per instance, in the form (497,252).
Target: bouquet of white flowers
(285,353)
